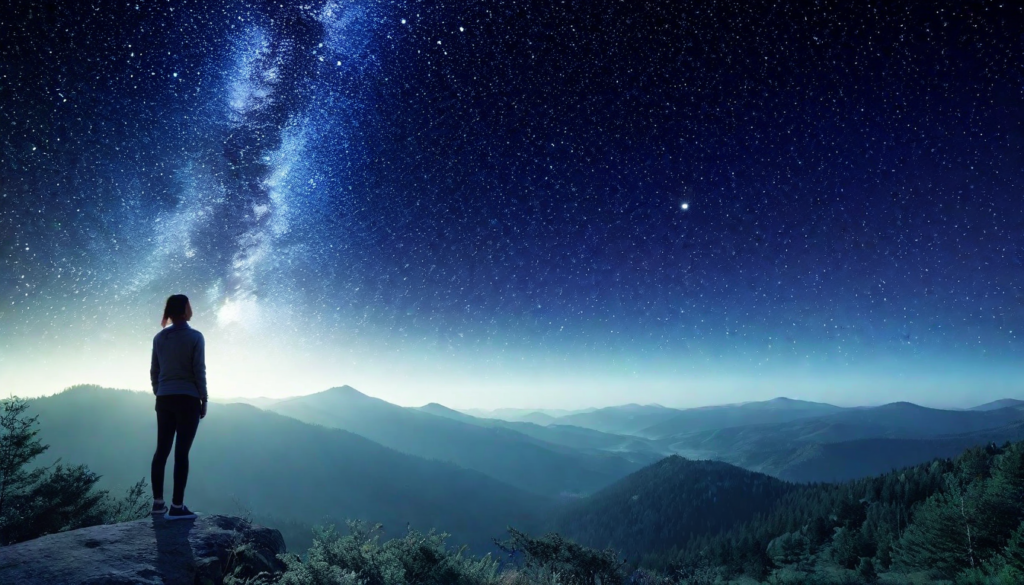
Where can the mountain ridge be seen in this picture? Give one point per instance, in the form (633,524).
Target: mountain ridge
(521,460)
(1001,403)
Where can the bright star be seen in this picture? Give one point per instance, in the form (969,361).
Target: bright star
(685,206)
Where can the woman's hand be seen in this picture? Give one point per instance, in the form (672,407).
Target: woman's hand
(202,409)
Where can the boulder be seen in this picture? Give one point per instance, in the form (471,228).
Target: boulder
(210,550)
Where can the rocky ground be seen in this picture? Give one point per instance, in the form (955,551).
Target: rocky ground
(211,550)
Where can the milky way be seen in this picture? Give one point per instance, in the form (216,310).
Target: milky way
(656,194)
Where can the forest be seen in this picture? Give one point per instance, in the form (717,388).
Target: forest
(950,519)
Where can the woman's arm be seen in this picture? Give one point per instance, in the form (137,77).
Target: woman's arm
(199,366)
(154,369)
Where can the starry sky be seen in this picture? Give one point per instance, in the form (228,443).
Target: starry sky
(519,203)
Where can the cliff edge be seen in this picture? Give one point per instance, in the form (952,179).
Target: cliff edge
(210,550)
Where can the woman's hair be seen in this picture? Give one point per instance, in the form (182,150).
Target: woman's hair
(175,307)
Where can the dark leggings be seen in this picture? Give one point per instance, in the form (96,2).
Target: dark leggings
(175,414)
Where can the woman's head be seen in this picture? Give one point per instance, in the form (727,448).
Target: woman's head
(177,309)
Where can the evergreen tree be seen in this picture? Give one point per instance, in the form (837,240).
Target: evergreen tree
(1014,551)
(18,446)
(848,546)
(43,500)
(791,548)
(866,570)
(573,563)
(883,547)
(943,535)
(1004,496)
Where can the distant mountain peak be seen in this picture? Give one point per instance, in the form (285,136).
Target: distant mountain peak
(440,410)
(1001,403)
(346,389)
(904,405)
(344,393)
(438,407)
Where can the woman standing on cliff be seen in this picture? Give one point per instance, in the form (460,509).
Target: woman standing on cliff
(178,374)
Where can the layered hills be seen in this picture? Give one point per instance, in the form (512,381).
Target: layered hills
(790,439)
(710,418)
(281,468)
(629,419)
(525,460)
(850,443)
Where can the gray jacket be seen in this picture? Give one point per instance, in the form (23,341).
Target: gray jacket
(179,362)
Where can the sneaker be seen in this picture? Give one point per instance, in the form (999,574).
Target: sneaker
(160,508)
(182,513)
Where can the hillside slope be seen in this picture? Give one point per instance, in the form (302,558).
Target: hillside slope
(668,503)
(278,465)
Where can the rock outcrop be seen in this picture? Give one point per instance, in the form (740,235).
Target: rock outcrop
(211,550)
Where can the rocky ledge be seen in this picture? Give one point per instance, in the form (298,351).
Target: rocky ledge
(211,550)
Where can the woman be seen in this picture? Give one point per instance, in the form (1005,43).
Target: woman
(178,373)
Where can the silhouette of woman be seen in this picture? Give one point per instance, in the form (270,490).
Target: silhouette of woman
(178,374)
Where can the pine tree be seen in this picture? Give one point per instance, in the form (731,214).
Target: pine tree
(18,446)
(43,500)
(942,537)
(1014,551)
(866,570)
(1004,495)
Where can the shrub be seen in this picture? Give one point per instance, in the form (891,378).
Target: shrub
(360,557)
(573,563)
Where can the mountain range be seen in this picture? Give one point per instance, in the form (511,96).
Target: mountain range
(519,459)
(278,467)
(813,448)
(340,454)
(799,440)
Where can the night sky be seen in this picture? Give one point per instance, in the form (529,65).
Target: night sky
(519,202)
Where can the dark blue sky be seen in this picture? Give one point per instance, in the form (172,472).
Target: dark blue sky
(488,197)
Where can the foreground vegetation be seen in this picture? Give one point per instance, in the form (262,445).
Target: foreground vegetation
(360,558)
(35,501)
